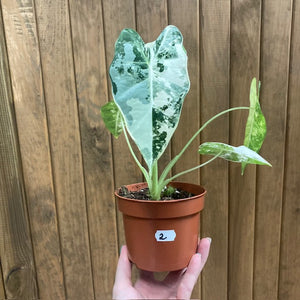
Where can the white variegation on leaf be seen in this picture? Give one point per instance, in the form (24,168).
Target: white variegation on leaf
(241,154)
(256,127)
(149,83)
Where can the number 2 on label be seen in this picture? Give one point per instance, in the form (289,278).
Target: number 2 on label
(162,237)
(165,235)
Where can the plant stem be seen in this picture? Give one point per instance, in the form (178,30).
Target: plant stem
(144,171)
(189,170)
(176,158)
(154,188)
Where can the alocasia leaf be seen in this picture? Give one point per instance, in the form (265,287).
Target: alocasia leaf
(240,154)
(256,129)
(149,83)
(112,118)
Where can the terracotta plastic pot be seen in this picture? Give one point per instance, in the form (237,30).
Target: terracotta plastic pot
(162,235)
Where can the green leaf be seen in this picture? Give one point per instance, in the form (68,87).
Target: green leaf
(240,154)
(256,128)
(149,83)
(112,118)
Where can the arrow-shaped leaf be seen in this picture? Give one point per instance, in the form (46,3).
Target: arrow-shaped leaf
(149,83)
(240,154)
(256,129)
(112,118)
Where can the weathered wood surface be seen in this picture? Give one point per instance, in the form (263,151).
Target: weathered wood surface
(34,143)
(2,291)
(60,230)
(277,16)
(289,259)
(214,86)
(53,22)
(244,57)
(17,261)
(91,86)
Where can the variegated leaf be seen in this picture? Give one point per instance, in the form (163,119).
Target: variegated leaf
(256,128)
(149,83)
(240,154)
(112,118)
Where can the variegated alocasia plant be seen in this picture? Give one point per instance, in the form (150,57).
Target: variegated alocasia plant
(149,83)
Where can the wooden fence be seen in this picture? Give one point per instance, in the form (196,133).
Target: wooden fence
(60,230)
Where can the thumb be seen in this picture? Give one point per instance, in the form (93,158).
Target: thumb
(194,269)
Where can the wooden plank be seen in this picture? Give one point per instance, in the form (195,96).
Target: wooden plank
(276,30)
(190,117)
(2,291)
(91,80)
(60,94)
(125,169)
(151,18)
(185,15)
(215,65)
(34,144)
(16,251)
(245,43)
(289,287)
(2,44)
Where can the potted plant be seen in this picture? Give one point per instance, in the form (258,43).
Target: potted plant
(149,83)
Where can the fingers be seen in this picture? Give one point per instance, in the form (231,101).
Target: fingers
(203,249)
(123,273)
(195,266)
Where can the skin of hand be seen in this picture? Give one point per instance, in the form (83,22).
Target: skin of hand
(176,285)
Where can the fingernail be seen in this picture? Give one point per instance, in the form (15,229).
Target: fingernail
(121,249)
(199,254)
(209,239)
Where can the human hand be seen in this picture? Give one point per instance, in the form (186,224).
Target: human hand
(176,285)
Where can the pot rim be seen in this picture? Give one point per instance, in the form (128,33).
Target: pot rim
(162,201)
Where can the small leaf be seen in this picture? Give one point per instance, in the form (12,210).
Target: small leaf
(240,154)
(112,118)
(168,191)
(256,128)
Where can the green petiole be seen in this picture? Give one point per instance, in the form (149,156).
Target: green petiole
(177,157)
(156,184)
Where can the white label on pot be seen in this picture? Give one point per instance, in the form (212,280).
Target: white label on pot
(165,235)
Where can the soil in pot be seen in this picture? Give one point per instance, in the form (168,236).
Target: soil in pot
(170,193)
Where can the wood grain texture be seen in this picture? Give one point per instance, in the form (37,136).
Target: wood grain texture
(60,94)
(245,45)
(125,169)
(289,287)
(91,81)
(16,253)
(2,291)
(215,67)
(190,116)
(151,18)
(276,28)
(34,144)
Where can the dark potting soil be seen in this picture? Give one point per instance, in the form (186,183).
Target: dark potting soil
(143,194)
